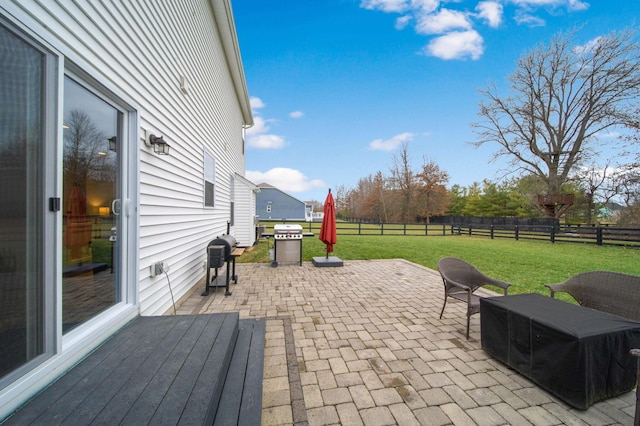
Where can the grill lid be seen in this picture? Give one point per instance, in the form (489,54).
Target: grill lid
(228,241)
(287,229)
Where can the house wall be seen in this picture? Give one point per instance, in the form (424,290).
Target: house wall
(168,60)
(244,195)
(177,64)
(283,206)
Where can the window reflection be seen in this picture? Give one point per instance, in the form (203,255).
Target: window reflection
(90,181)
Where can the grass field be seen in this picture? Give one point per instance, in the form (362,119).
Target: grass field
(528,265)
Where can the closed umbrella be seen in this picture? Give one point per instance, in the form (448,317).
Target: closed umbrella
(328,233)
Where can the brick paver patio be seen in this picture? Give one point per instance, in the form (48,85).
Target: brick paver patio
(363,345)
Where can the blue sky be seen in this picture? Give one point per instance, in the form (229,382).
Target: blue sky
(337,85)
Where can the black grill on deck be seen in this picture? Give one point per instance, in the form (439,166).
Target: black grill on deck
(218,252)
(222,248)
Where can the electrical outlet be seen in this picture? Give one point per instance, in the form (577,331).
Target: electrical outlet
(156,269)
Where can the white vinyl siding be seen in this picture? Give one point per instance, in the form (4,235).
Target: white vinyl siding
(145,52)
(177,67)
(209,180)
(244,206)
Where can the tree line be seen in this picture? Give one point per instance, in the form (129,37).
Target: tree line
(570,124)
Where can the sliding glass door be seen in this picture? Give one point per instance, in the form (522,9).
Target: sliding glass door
(91,201)
(22,209)
(62,221)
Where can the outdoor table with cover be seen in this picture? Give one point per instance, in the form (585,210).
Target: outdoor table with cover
(579,354)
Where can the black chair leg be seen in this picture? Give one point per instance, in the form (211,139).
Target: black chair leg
(443,305)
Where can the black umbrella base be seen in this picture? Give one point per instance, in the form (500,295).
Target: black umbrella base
(327,261)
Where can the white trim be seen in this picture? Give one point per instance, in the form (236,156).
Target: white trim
(226,24)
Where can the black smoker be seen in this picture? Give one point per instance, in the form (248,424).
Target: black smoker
(218,252)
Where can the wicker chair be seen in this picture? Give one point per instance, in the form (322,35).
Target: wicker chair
(612,292)
(461,280)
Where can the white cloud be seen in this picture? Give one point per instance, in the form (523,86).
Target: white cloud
(523,18)
(385,5)
(577,5)
(391,144)
(424,6)
(572,5)
(403,21)
(458,39)
(296,114)
(266,141)
(258,135)
(588,47)
(443,21)
(491,11)
(256,103)
(259,126)
(285,179)
(456,45)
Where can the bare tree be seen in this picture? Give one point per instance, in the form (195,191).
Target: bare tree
(432,195)
(82,146)
(562,96)
(600,184)
(403,180)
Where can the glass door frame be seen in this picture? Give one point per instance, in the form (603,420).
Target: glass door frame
(125,257)
(61,353)
(44,217)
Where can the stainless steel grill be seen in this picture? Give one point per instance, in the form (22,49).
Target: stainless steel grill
(287,232)
(287,244)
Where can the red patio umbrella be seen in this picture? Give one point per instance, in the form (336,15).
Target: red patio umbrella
(328,233)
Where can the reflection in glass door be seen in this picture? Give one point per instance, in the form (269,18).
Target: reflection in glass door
(22,70)
(90,203)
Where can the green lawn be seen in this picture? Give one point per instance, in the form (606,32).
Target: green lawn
(528,265)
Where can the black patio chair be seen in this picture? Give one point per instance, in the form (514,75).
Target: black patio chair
(461,280)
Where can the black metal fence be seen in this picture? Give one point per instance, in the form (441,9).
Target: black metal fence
(598,235)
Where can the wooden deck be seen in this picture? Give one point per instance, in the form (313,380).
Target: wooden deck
(186,369)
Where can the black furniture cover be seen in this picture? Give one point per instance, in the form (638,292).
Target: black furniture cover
(579,354)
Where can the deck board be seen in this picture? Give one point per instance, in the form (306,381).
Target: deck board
(251,408)
(156,370)
(241,401)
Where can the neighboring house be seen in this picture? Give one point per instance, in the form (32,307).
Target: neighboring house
(273,204)
(96,227)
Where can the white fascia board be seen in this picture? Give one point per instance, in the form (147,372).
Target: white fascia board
(227,29)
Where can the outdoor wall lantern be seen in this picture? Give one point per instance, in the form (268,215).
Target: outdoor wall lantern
(112,143)
(160,146)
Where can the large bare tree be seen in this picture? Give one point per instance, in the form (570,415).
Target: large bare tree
(403,181)
(562,96)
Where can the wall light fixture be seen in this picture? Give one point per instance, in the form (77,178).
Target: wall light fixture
(160,146)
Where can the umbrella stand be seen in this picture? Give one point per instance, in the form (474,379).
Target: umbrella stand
(328,234)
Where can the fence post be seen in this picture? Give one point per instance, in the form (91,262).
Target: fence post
(404,231)
(359,228)
(491,227)
(599,235)
(382,229)
(553,234)
(444,229)
(517,232)
(470,233)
